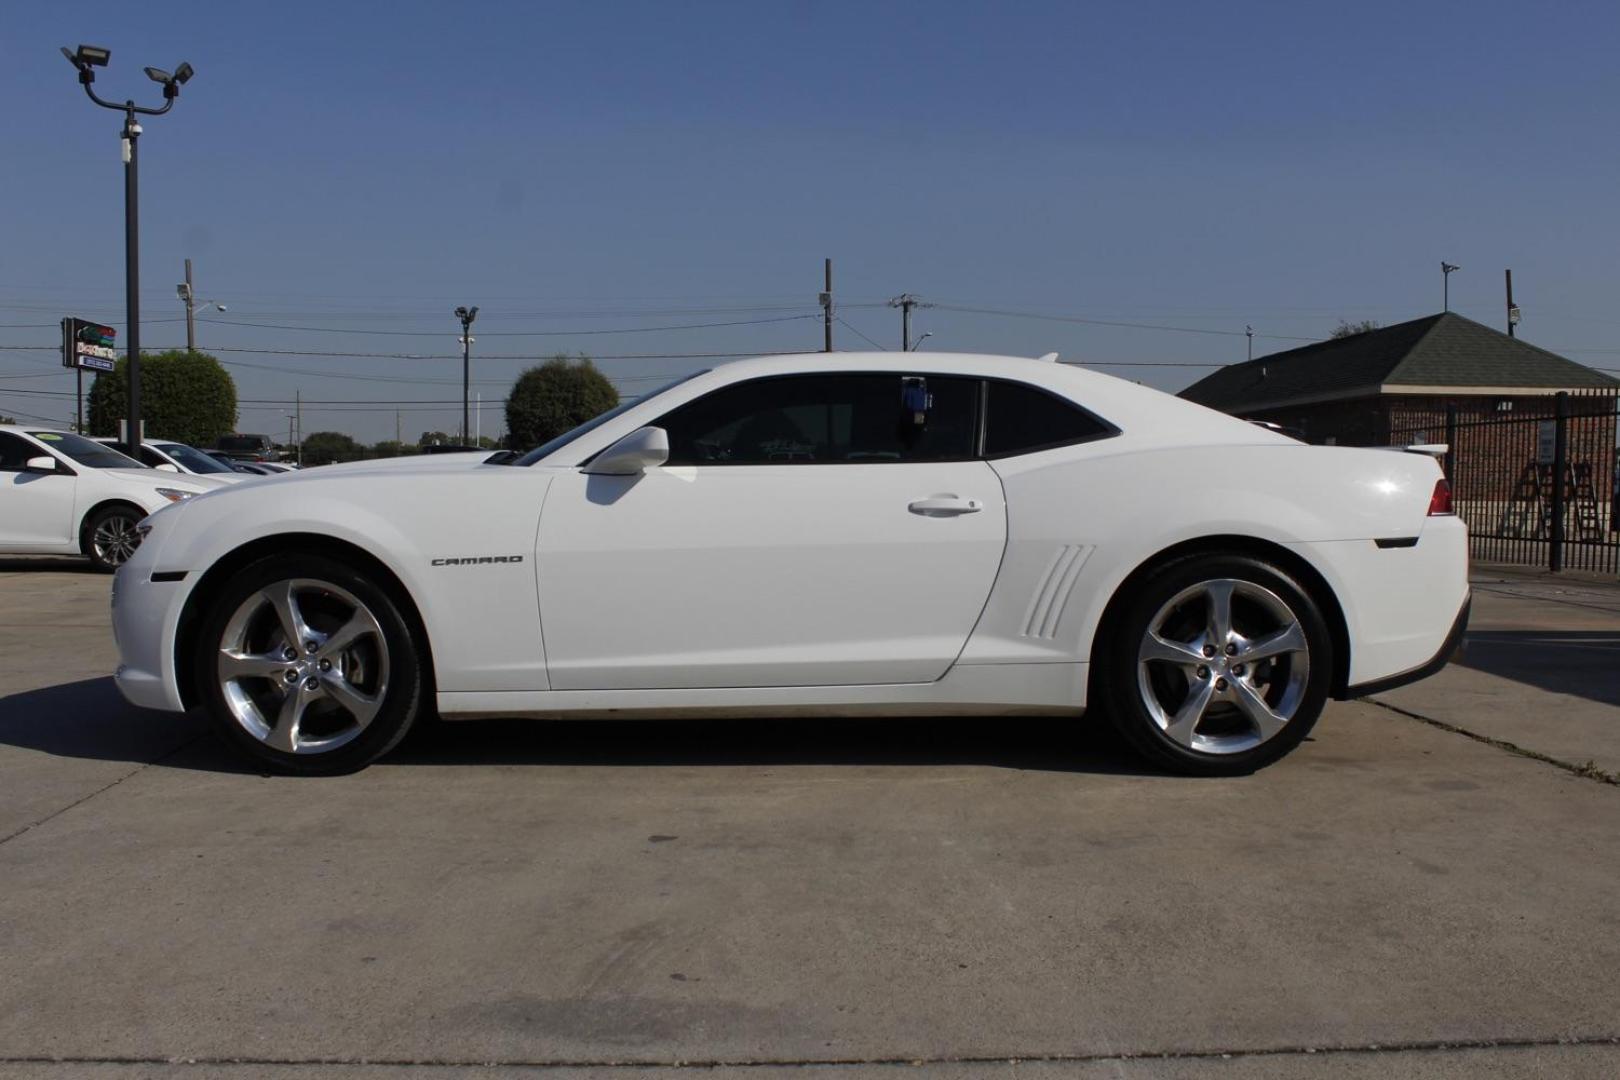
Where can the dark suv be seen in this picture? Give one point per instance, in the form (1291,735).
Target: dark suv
(248,448)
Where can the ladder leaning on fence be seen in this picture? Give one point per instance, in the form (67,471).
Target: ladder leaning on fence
(1528,509)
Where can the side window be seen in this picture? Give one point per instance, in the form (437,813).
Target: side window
(827,419)
(1021,419)
(15,452)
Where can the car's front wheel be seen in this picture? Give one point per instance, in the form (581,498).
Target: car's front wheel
(1217,665)
(307,664)
(110,537)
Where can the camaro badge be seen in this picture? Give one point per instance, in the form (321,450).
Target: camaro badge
(478,560)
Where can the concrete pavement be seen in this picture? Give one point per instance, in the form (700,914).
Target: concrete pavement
(942,898)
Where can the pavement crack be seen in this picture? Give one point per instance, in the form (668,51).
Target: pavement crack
(1414,1046)
(1587,771)
(53,815)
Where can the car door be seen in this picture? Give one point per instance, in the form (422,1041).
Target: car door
(807,530)
(36,509)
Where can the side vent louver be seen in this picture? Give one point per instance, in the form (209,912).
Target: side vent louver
(1052,592)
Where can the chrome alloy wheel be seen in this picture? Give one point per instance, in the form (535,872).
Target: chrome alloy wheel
(1223,666)
(115,539)
(303,666)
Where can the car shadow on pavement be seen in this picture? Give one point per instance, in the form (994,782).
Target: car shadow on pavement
(1584,663)
(56,564)
(89,719)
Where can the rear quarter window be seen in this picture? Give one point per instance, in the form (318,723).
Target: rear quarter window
(1021,419)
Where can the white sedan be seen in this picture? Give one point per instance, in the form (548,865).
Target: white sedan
(829,534)
(64,494)
(173,456)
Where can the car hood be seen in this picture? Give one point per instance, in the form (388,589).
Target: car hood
(424,463)
(152,478)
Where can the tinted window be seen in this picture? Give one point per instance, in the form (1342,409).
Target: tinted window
(85,451)
(193,459)
(1021,419)
(824,419)
(15,452)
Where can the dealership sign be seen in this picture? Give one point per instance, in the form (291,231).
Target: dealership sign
(87,344)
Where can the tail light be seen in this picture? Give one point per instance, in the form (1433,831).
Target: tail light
(1440,501)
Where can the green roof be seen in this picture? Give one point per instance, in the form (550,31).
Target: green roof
(1444,350)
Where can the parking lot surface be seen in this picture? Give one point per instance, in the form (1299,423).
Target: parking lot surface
(1427,887)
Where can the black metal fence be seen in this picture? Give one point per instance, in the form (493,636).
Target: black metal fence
(1537,487)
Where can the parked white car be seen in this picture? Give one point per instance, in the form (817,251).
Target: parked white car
(64,494)
(842,534)
(178,457)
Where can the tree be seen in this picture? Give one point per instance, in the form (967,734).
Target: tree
(1350,329)
(325,447)
(552,398)
(185,396)
(435,438)
(390,448)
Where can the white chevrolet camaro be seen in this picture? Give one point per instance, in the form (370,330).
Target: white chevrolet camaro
(828,534)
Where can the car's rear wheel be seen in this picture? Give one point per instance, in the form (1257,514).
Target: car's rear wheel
(1217,665)
(109,537)
(308,665)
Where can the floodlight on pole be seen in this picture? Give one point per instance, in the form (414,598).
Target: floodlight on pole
(466,315)
(84,60)
(1446,270)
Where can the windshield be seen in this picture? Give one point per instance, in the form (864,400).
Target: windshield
(547,449)
(192,459)
(85,451)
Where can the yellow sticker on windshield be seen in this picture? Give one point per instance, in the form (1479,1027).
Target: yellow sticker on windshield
(46,436)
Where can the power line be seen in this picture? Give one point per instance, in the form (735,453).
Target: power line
(860,335)
(1109,322)
(519,333)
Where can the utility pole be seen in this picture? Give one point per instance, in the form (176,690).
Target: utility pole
(298,412)
(905,302)
(191,312)
(466,315)
(1445,282)
(1512,308)
(478,420)
(827,311)
(1248,332)
(397,439)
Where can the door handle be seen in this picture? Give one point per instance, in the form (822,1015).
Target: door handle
(944,506)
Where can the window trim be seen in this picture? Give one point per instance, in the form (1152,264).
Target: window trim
(972,455)
(981,419)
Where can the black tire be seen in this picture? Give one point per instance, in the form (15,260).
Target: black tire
(400,688)
(1124,682)
(107,536)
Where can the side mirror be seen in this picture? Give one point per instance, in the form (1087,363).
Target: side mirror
(166,467)
(634,454)
(42,464)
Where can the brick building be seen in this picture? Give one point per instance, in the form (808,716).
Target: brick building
(1363,389)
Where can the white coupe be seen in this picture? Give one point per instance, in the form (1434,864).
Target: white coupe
(828,534)
(64,494)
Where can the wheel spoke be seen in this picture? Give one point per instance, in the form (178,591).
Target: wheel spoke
(1183,724)
(360,624)
(240,665)
(1157,647)
(284,736)
(1266,722)
(1219,595)
(361,706)
(1289,639)
(282,597)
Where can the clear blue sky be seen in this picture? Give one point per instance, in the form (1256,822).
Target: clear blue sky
(607,165)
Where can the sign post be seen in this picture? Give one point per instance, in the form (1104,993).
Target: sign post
(86,344)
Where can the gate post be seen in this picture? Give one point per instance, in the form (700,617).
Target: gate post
(1555,547)
(1451,448)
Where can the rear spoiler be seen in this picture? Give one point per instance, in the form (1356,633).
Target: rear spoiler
(1434,450)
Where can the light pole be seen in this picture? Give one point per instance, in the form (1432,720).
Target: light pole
(905,302)
(85,60)
(1445,280)
(466,315)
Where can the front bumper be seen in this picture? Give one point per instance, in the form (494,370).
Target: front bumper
(146,619)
